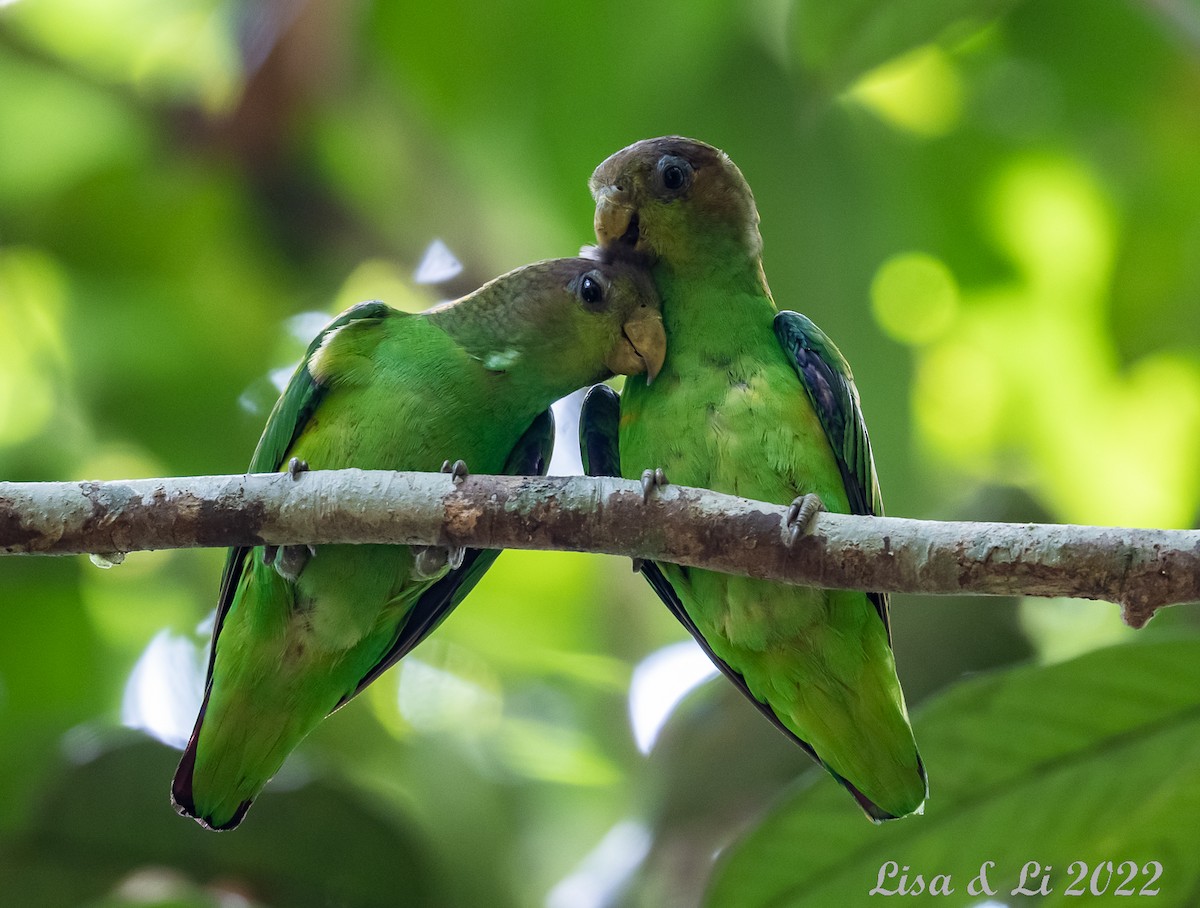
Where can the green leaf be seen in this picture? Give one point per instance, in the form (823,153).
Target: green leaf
(1092,760)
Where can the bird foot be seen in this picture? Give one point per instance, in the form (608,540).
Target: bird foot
(430,560)
(800,516)
(651,480)
(288,560)
(458,470)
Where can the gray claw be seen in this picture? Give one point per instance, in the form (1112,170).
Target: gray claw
(800,516)
(651,480)
(291,561)
(288,560)
(429,561)
(458,470)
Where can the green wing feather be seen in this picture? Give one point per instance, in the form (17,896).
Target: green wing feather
(287,421)
(295,406)
(825,376)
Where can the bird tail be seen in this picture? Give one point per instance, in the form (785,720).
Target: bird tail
(862,735)
(242,736)
(844,706)
(917,787)
(183,796)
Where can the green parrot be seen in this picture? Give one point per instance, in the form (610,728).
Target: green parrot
(755,402)
(300,630)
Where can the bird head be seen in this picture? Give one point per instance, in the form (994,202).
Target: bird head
(673,200)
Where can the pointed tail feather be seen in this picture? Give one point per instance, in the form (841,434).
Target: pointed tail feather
(183,795)
(875,813)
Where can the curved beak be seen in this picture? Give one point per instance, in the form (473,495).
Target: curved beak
(642,346)
(615,217)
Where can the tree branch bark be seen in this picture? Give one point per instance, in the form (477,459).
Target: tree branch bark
(1140,569)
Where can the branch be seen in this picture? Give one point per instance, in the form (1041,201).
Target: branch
(1140,569)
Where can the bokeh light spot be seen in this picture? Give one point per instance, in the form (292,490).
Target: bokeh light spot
(914,297)
(32,296)
(1062,629)
(919,92)
(379,279)
(660,682)
(597,880)
(957,398)
(178,49)
(1050,216)
(164,690)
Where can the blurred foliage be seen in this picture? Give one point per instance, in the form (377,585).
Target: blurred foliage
(1055,736)
(992,206)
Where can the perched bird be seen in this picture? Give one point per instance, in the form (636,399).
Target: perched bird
(759,403)
(300,630)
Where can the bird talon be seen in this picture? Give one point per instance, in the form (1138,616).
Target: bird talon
(637,564)
(800,516)
(458,470)
(456,557)
(296,466)
(290,560)
(651,480)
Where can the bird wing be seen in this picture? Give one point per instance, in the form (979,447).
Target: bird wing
(287,421)
(529,457)
(825,376)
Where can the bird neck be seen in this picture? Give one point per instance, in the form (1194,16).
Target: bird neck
(715,312)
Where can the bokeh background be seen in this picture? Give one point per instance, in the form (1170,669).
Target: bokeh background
(992,206)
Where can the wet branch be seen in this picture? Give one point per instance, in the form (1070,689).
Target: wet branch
(1140,569)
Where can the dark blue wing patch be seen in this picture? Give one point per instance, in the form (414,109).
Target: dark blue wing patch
(825,376)
(599,425)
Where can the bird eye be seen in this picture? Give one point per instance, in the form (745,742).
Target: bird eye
(591,290)
(675,173)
